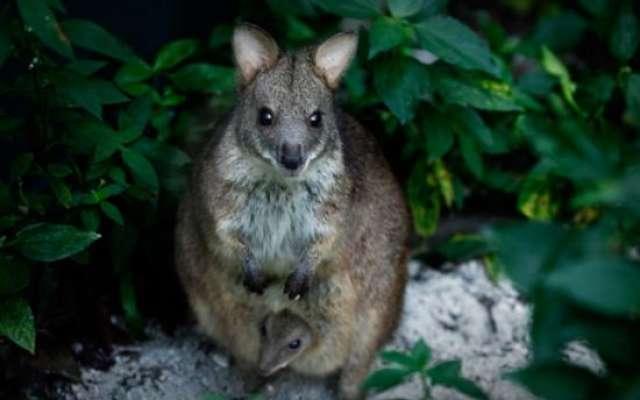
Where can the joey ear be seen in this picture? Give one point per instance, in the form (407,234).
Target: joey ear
(332,57)
(254,50)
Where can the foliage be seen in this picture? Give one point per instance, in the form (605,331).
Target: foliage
(403,365)
(93,138)
(541,123)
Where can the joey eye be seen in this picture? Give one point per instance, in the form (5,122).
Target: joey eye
(265,116)
(294,344)
(315,119)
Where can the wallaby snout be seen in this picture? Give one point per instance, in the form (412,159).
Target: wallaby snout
(291,156)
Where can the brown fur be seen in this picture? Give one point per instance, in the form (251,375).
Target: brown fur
(353,259)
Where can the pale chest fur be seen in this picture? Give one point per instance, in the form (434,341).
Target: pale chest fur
(277,223)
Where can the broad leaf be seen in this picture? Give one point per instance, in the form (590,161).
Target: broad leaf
(385,378)
(112,212)
(51,242)
(632,95)
(527,251)
(400,82)
(174,53)
(607,285)
(483,94)
(39,19)
(456,44)
(557,381)
(405,8)
(385,34)
(439,134)
(448,374)
(361,9)
(90,36)
(133,72)
(205,78)
(142,170)
(625,36)
(17,323)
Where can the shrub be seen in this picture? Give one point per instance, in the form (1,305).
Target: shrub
(539,125)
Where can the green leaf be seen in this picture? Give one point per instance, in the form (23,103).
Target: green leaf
(220,36)
(555,380)
(456,44)
(556,68)
(536,200)
(90,219)
(400,358)
(405,8)
(51,242)
(162,153)
(93,37)
(385,34)
(133,120)
(174,53)
(112,212)
(14,274)
(206,78)
(90,94)
(360,9)
(632,96)
(625,36)
(134,72)
(439,134)
(86,67)
(39,19)
(469,122)
(17,323)
(61,191)
(462,247)
(484,94)
(448,374)
(424,200)
(471,155)
(527,251)
(400,82)
(421,353)
(142,170)
(385,378)
(606,285)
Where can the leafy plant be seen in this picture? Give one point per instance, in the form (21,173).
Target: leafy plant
(416,362)
(91,129)
(521,110)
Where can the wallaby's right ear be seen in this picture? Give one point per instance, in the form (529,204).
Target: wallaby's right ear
(254,50)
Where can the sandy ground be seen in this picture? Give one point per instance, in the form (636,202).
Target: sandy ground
(460,313)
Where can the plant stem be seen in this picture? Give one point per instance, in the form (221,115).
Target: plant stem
(426,385)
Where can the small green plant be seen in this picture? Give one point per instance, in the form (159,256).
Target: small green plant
(417,362)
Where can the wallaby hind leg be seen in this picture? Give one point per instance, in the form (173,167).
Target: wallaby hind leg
(362,354)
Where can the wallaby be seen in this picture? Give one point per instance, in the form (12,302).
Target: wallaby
(289,190)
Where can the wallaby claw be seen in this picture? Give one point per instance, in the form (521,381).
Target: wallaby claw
(296,286)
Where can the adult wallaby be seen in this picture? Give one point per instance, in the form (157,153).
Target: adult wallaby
(290,190)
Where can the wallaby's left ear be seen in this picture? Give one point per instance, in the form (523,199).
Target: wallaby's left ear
(332,58)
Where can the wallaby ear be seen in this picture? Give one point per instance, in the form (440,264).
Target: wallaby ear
(332,57)
(254,50)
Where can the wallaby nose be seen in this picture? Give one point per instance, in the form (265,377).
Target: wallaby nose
(291,156)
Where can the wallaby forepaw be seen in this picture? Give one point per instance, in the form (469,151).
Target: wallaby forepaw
(296,286)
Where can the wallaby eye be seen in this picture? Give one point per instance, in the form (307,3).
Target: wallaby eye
(265,116)
(315,119)
(294,344)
